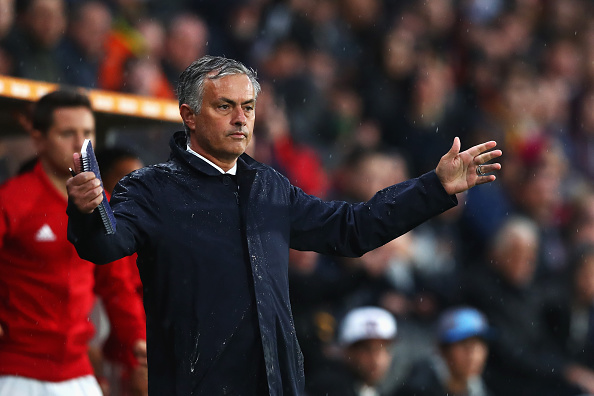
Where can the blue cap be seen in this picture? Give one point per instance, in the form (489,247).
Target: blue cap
(461,323)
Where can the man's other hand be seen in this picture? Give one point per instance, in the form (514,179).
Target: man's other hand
(459,171)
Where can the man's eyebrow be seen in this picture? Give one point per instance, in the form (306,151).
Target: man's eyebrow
(233,103)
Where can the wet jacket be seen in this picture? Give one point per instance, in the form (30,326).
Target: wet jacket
(213,256)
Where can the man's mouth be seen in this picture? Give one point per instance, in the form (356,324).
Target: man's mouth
(238,134)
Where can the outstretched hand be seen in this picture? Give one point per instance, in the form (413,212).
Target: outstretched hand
(84,189)
(457,170)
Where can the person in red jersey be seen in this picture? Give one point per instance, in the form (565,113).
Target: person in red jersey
(46,290)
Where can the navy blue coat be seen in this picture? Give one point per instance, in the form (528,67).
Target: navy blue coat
(213,256)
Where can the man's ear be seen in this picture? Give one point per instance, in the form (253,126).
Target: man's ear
(187,115)
(38,140)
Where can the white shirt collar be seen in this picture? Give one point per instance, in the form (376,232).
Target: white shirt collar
(231,171)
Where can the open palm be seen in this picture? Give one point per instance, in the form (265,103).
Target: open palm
(457,170)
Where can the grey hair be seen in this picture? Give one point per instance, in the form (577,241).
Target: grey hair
(513,228)
(190,88)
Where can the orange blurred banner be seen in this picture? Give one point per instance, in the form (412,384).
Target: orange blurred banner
(102,101)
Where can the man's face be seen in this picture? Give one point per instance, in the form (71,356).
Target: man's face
(46,21)
(369,359)
(518,262)
(223,128)
(466,359)
(70,127)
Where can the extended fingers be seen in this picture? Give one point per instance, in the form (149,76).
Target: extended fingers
(486,157)
(485,179)
(481,148)
(488,168)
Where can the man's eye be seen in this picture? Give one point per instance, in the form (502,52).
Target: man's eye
(248,108)
(224,107)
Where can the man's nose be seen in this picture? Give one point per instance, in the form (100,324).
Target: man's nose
(239,117)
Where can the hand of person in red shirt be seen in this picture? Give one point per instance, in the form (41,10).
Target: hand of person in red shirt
(138,385)
(139,350)
(1,331)
(84,189)
(139,375)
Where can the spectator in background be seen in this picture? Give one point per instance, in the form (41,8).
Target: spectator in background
(541,196)
(33,47)
(579,229)
(123,43)
(582,134)
(456,368)
(144,73)
(385,84)
(6,17)
(115,163)
(275,146)
(570,316)
(7,11)
(393,277)
(524,359)
(83,49)
(365,337)
(106,352)
(47,292)
(286,65)
(186,40)
(433,115)
(365,171)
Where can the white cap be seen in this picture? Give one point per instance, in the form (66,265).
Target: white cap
(367,323)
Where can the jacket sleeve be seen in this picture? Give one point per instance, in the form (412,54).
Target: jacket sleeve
(133,215)
(113,283)
(351,230)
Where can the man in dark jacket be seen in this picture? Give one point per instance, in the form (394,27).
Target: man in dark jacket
(213,228)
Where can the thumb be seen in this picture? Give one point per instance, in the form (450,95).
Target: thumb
(76,161)
(454,150)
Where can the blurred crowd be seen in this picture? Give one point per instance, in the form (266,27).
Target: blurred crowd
(361,94)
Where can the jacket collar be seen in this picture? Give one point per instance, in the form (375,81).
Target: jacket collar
(178,144)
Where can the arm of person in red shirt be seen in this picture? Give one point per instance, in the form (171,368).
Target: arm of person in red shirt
(124,308)
(3,226)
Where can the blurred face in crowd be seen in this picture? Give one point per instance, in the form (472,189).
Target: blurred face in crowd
(369,359)
(466,358)
(6,16)
(223,129)
(119,170)
(91,28)
(186,41)
(70,127)
(516,258)
(374,173)
(46,21)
